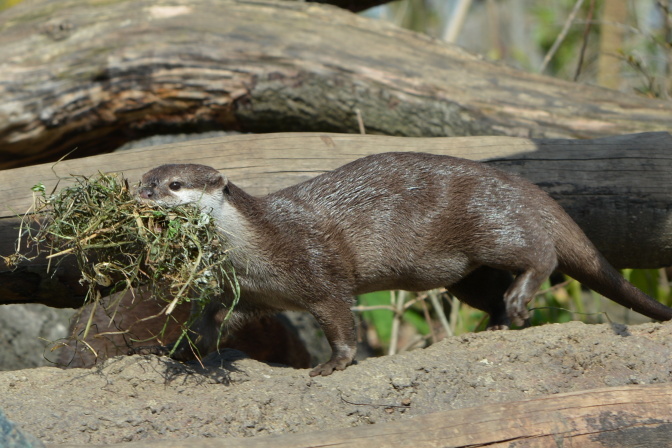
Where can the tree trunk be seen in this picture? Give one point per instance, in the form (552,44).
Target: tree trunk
(618,189)
(88,76)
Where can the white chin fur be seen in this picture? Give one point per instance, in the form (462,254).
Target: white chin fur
(181,197)
(186,196)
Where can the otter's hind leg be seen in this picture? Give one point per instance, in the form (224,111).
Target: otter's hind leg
(523,289)
(484,289)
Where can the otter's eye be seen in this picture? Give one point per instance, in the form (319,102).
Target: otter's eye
(175,186)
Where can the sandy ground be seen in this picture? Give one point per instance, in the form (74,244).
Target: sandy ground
(150,398)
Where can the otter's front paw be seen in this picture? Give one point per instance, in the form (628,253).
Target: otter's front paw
(158,350)
(497,327)
(328,367)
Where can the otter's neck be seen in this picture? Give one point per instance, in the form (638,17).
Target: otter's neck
(236,218)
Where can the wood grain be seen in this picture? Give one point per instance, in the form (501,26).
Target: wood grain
(618,189)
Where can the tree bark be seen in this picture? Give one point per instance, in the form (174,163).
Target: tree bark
(616,417)
(618,189)
(88,76)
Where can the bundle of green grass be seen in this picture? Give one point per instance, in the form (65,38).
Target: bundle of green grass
(119,243)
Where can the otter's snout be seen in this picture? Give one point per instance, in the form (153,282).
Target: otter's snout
(146,193)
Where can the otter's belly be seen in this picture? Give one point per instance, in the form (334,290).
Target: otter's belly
(425,273)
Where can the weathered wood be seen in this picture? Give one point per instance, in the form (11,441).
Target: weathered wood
(618,189)
(612,417)
(87,75)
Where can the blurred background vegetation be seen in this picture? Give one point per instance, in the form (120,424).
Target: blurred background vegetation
(624,45)
(619,44)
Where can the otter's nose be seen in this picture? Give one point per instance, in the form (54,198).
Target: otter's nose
(145,193)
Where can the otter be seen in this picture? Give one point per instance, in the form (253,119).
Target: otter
(401,220)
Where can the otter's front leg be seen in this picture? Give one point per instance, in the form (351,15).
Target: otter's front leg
(204,333)
(338,324)
(201,338)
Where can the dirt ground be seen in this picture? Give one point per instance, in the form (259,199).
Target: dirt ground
(150,398)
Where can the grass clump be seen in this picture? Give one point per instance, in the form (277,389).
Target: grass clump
(119,243)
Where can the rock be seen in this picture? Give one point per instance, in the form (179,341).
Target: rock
(12,437)
(25,332)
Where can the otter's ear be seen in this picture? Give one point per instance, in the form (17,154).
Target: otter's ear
(217,180)
(225,183)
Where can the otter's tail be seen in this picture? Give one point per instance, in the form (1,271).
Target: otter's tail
(580,259)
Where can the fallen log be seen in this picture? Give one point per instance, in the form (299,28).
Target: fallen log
(88,75)
(623,416)
(618,189)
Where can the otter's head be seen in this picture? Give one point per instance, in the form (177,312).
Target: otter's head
(179,184)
